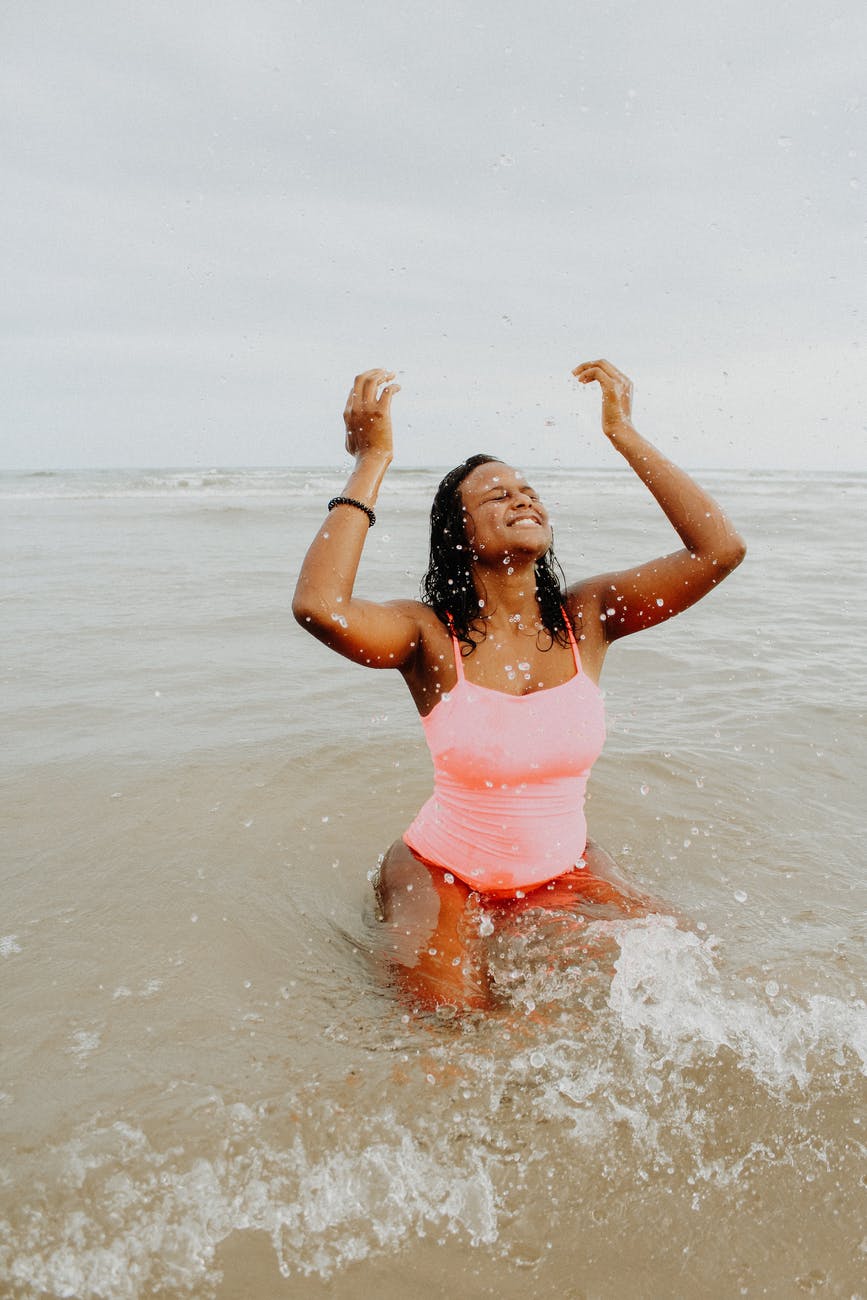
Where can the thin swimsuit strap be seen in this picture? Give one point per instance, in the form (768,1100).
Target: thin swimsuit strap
(575,653)
(459,658)
(456,649)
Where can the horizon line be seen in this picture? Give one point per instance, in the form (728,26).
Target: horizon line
(218,467)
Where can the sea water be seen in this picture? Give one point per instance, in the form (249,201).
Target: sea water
(208,1085)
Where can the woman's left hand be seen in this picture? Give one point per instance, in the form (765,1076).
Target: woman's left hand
(616,394)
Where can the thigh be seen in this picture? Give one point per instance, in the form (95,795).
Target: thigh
(426,932)
(407,902)
(602,881)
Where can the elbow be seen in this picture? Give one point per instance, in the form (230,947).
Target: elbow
(315,614)
(739,550)
(300,613)
(733,554)
(305,611)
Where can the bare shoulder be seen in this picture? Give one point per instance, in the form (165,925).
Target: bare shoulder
(585,605)
(430,670)
(429,627)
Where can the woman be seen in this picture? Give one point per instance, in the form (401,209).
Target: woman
(509,704)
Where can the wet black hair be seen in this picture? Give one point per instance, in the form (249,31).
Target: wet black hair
(448,586)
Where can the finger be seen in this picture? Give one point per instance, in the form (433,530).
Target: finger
(609,378)
(361,385)
(590,372)
(386,376)
(386,395)
(372,381)
(601,364)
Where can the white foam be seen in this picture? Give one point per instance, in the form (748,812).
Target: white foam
(672,1000)
(141,1223)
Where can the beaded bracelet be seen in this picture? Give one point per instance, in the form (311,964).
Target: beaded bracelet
(351,501)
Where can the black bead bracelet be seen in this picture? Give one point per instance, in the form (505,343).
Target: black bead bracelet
(359,505)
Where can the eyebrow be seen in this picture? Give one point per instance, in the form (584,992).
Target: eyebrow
(502,487)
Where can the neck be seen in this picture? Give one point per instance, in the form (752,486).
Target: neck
(510,598)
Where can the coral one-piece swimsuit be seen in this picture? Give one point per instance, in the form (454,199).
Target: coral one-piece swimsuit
(510,773)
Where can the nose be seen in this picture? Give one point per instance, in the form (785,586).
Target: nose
(526,499)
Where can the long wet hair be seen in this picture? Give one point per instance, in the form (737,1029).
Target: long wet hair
(449,587)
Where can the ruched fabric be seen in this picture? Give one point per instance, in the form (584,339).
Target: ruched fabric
(510,775)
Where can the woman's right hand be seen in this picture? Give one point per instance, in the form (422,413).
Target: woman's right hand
(367,415)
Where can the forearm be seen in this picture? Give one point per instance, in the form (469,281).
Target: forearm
(701,524)
(327,576)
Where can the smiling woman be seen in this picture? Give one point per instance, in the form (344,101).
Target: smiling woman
(513,742)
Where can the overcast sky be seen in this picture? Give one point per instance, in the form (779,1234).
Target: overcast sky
(215,214)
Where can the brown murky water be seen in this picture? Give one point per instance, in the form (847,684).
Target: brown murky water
(209,1086)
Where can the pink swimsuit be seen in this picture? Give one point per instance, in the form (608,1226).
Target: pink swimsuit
(510,771)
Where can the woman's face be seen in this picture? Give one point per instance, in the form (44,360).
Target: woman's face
(503,514)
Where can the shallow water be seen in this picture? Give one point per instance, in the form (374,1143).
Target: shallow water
(209,1086)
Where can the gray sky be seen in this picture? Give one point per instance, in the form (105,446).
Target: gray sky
(215,214)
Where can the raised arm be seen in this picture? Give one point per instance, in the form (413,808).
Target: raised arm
(640,597)
(379,635)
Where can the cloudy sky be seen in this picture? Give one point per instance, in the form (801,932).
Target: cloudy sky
(215,214)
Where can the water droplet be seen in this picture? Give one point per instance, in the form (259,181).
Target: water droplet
(537,1060)
(644,789)
(772,988)
(741,895)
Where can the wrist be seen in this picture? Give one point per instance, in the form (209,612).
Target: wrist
(366,478)
(375,456)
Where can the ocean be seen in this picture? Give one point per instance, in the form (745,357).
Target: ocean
(210,1087)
